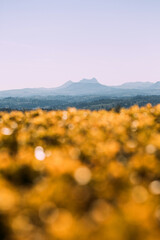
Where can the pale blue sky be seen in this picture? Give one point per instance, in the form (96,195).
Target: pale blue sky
(44,43)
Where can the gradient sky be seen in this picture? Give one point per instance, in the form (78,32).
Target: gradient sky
(44,43)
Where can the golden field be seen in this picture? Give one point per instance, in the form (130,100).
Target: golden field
(80,175)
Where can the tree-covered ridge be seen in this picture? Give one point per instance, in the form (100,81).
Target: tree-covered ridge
(91,102)
(77,174)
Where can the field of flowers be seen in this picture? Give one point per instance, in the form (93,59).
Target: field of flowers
(80,175)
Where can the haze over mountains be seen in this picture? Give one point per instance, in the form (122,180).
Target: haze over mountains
(88,87)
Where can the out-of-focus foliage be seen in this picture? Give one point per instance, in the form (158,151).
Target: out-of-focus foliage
(80,175)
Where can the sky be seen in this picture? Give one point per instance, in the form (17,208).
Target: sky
(44,43)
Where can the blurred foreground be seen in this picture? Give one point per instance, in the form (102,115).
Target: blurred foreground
(80,175)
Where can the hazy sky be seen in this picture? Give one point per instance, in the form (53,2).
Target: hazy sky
(47,42)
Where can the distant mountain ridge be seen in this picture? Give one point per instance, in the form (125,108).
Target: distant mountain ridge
(88,87)
(66,84)
(136,85)
(156,85)
(93,80)
(83,87)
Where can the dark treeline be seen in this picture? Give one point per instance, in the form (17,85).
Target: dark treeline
(83,102)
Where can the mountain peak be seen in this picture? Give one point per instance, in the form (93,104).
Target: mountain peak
(92,80)
(69,82)
(66,84)
(158,82)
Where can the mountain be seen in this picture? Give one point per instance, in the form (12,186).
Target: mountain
(83,87)
(136,85)
(87,87)
(65,85)
(93,80)
(25,92)
(156,85)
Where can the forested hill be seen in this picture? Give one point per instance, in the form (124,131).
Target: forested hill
(83,102)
